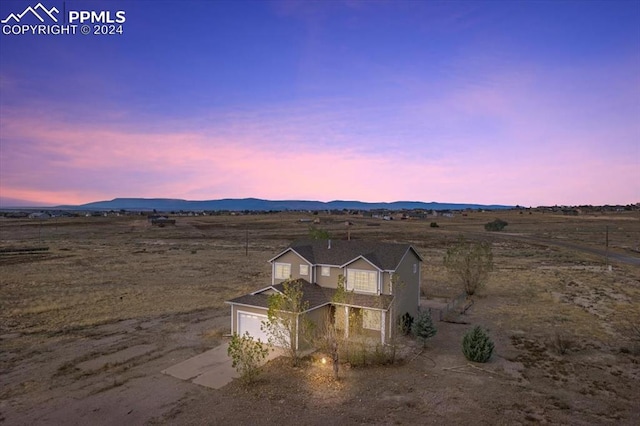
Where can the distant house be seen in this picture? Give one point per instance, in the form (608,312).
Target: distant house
(382,280)
(39,215)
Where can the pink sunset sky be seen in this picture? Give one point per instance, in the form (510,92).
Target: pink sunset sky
(448,102)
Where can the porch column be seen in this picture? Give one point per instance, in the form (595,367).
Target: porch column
(346,322)
(297,330)
(383,327)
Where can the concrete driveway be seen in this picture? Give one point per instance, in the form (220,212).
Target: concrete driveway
(211,368)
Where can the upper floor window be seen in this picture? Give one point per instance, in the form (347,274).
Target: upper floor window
(415,268)
(304,269)
(365,281)
(325,271)
(282,271)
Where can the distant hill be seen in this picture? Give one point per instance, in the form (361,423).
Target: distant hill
(256,204)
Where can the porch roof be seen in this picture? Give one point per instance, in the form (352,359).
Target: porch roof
(317,296)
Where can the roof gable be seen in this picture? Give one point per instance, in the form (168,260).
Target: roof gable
(291,249)
(384,256)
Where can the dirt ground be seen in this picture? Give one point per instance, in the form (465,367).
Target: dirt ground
(87,326)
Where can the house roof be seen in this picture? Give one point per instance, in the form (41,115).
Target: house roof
(312,293)
(385,256)
(317,296)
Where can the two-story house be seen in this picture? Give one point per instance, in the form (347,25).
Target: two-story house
(382,282)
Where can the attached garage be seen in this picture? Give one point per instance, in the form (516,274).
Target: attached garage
(251,323)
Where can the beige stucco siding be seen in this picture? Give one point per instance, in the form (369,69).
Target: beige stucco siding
(295,261)
(332,280)
(318,317)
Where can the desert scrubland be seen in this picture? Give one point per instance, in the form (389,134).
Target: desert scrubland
(87,325)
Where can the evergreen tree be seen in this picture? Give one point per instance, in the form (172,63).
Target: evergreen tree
(477,345)
(423,328)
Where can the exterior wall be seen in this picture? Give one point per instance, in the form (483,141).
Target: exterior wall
(318,317)
(386,283)
(295,261)
(361,264)
(406,286)
(332,280)
(244,308)
(355,323)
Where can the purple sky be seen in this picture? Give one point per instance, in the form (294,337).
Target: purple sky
(530,103)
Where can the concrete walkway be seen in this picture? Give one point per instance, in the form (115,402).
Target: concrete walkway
(211,368)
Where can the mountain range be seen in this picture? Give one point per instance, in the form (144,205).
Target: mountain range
(256,204)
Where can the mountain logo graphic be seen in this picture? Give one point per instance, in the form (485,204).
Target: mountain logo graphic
(34,11)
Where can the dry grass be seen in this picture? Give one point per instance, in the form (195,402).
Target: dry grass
(171,281)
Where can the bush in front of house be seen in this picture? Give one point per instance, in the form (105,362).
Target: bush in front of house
(405,323)
(423,328)
(247,355)
(477,345)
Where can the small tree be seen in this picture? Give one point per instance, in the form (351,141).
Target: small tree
(477,345)
(423,328)
(470,263)
(318,234)
(496,225)
(286,322)
(247,355)
(331,341)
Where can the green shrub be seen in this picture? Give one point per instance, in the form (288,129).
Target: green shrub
(405,323)
(496,225)
(476,345)
(434,225)
(360,351)
(423,327)
(318,234)
(247,355)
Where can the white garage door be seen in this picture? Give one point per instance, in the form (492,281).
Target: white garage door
(251,323)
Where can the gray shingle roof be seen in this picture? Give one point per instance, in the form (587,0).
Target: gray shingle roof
(259,300)
(318,296)
(312,293)
(385,256)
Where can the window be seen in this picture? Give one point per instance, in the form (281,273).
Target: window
(415,268)
(326,271)
(365,281)
(282,271)
(371,319)
(304,269)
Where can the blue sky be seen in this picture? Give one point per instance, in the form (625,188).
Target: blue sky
(530,103)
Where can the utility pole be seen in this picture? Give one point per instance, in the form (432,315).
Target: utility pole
(246,243)
(606,242)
